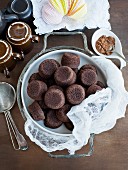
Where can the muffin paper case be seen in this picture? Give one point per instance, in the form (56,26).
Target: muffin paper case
(97,15)
(96,114)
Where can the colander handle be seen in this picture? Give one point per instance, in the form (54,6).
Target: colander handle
(90,152)
(68,34)
(45,50)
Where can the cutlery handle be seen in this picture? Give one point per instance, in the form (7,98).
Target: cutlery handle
(11,126)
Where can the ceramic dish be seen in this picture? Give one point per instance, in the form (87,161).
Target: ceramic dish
(118,46)
(57,54)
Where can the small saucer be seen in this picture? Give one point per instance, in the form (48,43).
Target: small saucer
(118,47)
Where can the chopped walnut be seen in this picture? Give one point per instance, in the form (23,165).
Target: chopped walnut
(104,45)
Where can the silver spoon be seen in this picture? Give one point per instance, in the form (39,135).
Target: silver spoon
(7,100)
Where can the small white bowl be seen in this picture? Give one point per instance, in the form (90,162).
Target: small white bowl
(118,47)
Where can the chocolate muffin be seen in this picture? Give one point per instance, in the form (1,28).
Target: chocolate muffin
(47,68)
(69,125)
(35,76)
(64,76)
(54,98)
(62,113)
(42,104)
(36,111)
(51,120)
(50,81)
(75,94)
(56,87)
(36,89)
(71,60)
(93,89)
(74,79)
(88,77)
(88,66)
(75,70)
(57,63)
(99,83)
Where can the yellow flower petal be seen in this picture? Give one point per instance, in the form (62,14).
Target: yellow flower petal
(79,12)
(57,5)
(73,4)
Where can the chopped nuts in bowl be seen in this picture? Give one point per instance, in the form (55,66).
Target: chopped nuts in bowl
(105,41)
(105,45)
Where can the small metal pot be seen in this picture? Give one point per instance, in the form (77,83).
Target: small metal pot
(22,8)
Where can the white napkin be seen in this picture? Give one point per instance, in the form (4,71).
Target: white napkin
(119,99)
(97,16)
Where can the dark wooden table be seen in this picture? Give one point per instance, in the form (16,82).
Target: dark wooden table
(111,147)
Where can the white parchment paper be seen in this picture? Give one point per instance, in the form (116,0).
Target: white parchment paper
(97,16)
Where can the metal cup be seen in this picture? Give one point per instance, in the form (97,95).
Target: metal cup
(19,35)
(8,58)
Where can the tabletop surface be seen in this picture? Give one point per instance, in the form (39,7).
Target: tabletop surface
(110,148)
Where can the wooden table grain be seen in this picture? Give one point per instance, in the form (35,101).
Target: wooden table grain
(110,148)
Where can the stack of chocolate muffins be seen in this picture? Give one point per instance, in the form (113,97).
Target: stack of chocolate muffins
(56,88)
